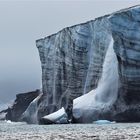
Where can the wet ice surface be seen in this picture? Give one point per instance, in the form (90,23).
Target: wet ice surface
(18,131)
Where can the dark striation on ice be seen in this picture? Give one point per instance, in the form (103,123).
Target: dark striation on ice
(73,62)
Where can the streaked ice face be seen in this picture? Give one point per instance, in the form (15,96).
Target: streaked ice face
(107,89)
(22,22)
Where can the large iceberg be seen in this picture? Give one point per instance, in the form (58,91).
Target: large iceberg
(92,70)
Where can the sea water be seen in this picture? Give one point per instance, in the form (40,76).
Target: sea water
(116,131)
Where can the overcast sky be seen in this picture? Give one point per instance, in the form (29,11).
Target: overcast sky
(24,21)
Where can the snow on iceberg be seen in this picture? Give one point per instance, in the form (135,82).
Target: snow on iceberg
(58,117)
(88,107)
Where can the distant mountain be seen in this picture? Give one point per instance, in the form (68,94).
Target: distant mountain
(3,106)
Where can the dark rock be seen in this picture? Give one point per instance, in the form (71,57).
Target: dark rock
(20,105)
(31,113)
(45,122)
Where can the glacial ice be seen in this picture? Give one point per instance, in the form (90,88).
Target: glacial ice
(106,92)
(103,122)
(30,115)
(79,60)
(58,117)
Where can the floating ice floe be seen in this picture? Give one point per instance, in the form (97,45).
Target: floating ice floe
(103,122)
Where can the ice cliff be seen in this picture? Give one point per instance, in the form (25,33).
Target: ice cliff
(93,69)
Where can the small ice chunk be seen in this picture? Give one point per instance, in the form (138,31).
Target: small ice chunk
(103,122)
(8,121)
(58,117)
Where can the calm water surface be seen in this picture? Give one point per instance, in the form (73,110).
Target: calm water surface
(118,131)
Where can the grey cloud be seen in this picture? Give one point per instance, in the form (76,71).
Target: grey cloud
(22,22)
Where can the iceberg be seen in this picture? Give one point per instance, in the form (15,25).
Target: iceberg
(104,95)
(92,70)
(58,117)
